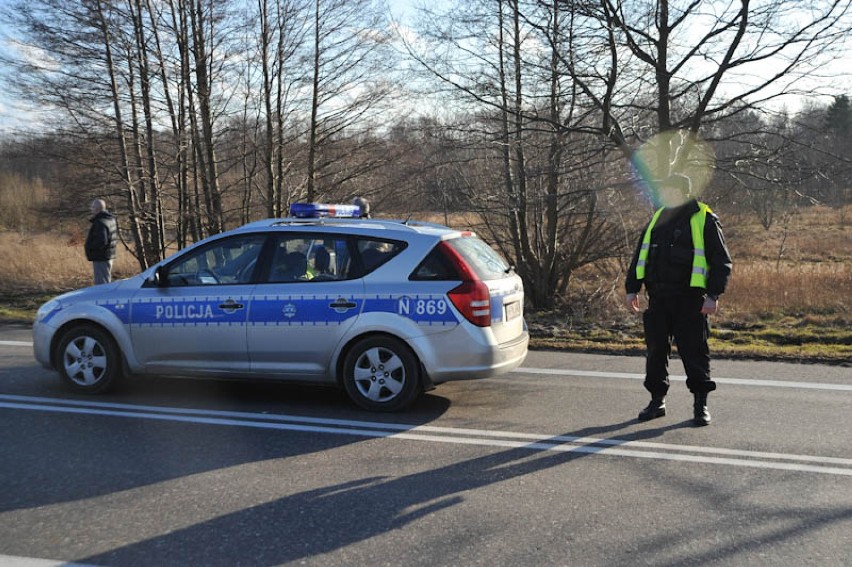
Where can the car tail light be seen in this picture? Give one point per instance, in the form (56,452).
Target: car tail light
(472,297)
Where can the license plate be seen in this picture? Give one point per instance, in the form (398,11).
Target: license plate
(513,310)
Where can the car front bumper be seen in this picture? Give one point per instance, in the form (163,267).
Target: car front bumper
(42,337)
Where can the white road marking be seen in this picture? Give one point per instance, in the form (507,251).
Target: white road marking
(15,561)
(16,343)
(478,437)
(675,378)
(631,376)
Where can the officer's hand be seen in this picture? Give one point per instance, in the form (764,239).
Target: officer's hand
(632,302)
(710,307)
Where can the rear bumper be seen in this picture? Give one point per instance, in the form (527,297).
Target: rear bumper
(451,359)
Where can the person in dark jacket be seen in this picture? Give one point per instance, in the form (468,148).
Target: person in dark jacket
(101,241)
(684,264)
(364,205)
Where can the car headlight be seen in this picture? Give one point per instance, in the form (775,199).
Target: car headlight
(48,308)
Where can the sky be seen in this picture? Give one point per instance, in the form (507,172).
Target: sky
(16,115)
(8,110)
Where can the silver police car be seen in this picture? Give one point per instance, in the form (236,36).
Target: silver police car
(385,309)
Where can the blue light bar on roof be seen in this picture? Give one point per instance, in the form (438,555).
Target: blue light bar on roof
(318,210)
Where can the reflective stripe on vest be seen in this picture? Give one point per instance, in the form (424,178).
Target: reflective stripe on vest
(699,260)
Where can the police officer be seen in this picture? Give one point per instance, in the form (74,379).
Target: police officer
(101,241)
(364,205)
(683,261)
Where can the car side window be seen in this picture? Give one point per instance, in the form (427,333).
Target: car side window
(435,267)
(229,261)
(309,258)
(373,253)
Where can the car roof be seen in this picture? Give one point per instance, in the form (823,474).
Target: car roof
(396,228)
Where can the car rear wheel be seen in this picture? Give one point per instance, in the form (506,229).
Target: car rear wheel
(88,360)
(381,374)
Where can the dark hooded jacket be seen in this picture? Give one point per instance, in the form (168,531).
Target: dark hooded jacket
(102,238)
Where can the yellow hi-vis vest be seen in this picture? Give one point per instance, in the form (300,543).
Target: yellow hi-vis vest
(699,260)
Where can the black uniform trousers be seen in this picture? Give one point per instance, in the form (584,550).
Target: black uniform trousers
(677,317)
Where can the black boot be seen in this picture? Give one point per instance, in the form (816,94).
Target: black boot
(702,414)
(656,408)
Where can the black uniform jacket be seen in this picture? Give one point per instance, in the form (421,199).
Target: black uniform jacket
(669,266)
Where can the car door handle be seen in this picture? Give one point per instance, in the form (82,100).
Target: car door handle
(342,304)
(231,305)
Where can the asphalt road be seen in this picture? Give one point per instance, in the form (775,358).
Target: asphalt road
(544,466)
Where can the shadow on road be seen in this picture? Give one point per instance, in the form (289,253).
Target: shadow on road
(50,458)
(330,518)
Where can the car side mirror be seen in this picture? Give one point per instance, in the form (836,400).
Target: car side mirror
(159,278)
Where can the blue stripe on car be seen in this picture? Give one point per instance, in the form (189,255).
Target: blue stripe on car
(286,310)
(300,310)
(188,311)
(121,309)
(423,309)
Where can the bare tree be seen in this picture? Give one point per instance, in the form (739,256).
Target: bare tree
(551,214)
(351,82)
(83,70)
(103,65)
(686,65)
(619,72)
(281,40)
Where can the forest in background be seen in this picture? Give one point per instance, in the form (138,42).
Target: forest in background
(520,119)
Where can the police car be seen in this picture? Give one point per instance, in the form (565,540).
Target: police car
(385,309)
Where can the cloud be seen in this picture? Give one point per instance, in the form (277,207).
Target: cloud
(32,56)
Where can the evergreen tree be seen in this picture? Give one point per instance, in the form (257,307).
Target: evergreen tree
(838,117)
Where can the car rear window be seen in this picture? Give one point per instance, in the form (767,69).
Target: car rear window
(483,259)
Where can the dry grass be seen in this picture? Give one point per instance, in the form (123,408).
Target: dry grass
(816,234)
(800,266)
(50,262)
(762,288)
(20,201)
(813,275)
(789,296)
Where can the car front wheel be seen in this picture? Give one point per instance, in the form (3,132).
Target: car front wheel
(88,360)
(381,374)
